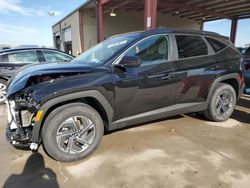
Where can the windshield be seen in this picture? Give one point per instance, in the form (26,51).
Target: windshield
(103,51)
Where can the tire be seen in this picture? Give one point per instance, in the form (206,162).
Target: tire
(2,90)
(221,105)
(55,133)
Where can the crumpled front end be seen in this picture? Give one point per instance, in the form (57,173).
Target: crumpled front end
(21,114)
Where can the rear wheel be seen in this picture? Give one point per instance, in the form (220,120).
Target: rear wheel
(2,90)
(222,103)
(72,132)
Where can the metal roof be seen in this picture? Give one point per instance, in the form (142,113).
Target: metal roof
(205,10)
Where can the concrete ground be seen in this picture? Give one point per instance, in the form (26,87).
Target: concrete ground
(183,151)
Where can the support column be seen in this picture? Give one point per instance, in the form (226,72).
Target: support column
(150,14)
(99,22)
(81,31)
(233,30)
(202,25)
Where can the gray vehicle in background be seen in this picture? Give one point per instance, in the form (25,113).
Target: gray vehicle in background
(13,59)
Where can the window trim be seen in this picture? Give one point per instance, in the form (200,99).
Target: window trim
(199,56)
(170,48)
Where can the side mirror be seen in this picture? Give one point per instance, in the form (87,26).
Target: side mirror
(130,61)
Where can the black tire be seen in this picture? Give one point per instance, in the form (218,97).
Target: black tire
(217,115)
(2,82)
(55,121)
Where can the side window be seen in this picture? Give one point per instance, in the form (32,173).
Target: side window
(190,46)
(216,45)
(23,57)
(151,50)
(51,56)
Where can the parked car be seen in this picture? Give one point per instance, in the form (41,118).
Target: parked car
(13,59)
(125,80)
(247,70)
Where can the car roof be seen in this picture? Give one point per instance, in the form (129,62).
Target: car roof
(183,31)
(31,48)
(162,30)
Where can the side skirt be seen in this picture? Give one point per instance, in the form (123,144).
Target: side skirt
(158,114)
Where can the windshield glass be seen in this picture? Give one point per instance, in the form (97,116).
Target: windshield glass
(100,53)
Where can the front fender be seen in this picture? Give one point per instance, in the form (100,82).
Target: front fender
(78,95)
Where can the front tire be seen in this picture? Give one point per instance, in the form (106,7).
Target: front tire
(72,132)
(222,103)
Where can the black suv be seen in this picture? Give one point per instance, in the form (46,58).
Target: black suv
(13,59)
(125,80)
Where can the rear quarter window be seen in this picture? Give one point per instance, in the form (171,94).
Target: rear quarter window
(190,46)
(215,44)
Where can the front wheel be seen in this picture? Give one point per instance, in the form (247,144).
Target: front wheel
(72,132)
(222,103)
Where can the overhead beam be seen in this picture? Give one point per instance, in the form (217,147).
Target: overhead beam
(102,2)
(183,6)
(119,6)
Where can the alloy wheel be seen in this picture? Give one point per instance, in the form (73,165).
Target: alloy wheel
(75,134)
(224,103)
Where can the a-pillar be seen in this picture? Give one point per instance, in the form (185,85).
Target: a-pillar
(150,14)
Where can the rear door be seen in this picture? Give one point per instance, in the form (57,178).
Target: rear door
(150,86)
(194,68)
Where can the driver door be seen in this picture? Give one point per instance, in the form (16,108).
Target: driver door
(150,86)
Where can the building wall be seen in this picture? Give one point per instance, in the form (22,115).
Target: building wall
(73,22)
(125,21)
(89,28)
(170,21)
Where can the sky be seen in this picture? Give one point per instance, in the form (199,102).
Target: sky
(223,27)
(27,22)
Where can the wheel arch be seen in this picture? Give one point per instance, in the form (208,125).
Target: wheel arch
(92,97)
(231,79)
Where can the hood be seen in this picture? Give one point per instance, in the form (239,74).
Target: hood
(20,79)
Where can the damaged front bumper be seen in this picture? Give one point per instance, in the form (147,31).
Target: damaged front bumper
(20,125)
